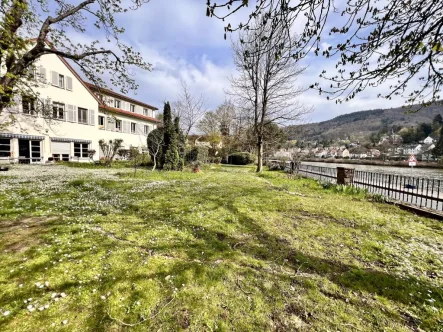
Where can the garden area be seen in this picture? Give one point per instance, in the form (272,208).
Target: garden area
(226,249)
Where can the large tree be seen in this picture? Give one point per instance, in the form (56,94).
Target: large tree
(382,41)
(189,108)
(265,87)
(30,29)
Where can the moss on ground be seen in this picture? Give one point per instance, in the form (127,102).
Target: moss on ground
(223,250)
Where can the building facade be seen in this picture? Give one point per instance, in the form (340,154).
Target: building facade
(64,118)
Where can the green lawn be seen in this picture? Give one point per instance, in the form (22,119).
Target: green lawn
(221,250)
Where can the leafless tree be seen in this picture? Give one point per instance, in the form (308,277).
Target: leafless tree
(155,144)
(379,41)
(265,86)
(189,108)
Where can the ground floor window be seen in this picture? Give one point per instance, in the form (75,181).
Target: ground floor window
(81,150)
(146,130)
(133,128)
(60,157)
(35,151)
(5,147)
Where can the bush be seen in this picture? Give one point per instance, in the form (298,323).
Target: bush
(197,154)
(217,160)
(242,158)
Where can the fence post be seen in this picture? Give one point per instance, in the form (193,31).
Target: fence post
(389,185)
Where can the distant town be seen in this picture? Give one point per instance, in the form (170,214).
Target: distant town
(395,144)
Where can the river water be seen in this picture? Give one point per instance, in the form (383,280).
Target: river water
(431,173)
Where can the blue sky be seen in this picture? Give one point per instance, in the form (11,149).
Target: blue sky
(183,44)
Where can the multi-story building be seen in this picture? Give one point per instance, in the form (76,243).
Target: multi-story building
(73,117)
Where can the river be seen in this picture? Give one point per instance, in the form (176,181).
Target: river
(431,173)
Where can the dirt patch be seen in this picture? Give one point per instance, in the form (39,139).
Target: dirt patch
(183,319)
(20,235)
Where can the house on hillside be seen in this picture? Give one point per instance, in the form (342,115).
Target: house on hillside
(358,153)
(374,153)
(69,117)
(204,140)
(321,153)
(343,153)
(411,149)
(429,140)
(426,153)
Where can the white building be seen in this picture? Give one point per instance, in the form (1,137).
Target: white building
(428,140)
(69,118)
(412,148)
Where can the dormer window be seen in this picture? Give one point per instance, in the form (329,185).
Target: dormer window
(117,103)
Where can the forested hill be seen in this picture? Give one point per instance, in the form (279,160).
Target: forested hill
(361,124)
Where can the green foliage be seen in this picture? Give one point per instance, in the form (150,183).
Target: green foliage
(181,143)
(437,152)
(242,158)
(198,154)
(171,160)
(110,149)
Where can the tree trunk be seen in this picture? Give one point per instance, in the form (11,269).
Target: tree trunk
(259,154)
(155,163)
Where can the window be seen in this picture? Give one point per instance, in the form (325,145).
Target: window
(145,112)
(133,128)
(146,130)
(61,81)
(35,151)
(81,150)
(5,147)
(132,108)
(101,122)
(28,104)
(118,125)
(82,115)
(58,111)
(117,103)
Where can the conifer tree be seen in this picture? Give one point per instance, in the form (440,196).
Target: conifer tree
(181,142)
(437,152)
(170,157)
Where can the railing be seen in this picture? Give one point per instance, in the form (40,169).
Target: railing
(423,192)
(325,174)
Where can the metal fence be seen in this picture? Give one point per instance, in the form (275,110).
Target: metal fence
(423,192)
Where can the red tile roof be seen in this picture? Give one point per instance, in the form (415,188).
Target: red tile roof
(118,95)
(132,114)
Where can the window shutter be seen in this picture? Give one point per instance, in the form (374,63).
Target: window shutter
(70,109)
(138,129)
(54,78)
(75,115)
(125,126)
(69,83)
(42,72)
(111,124)
(92,117)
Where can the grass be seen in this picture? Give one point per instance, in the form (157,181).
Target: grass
(221,250)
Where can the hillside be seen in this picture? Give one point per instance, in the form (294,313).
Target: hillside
(361,124)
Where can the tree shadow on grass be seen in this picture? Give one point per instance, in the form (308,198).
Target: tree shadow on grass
(273,248)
